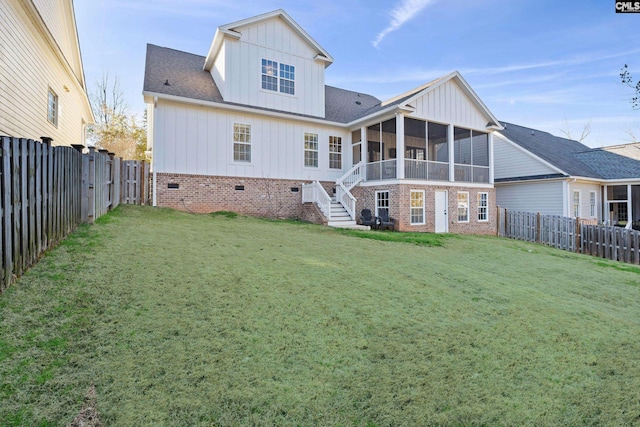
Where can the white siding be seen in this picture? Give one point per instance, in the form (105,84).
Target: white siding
(218,72)
(511,161)
(585,204)
(449,104)
(543,197)
(28,67)
(275,41)
(198,140)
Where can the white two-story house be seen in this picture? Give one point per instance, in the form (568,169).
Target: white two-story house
(252,127)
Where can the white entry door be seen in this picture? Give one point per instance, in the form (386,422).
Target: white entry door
(441,208)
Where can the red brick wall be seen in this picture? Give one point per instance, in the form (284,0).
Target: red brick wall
(271,198)
(400,204)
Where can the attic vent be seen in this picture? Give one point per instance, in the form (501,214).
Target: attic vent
(533,133)
(166,83)
(358,103)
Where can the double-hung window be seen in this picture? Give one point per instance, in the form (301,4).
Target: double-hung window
(463,206)
(274,77)
(335,152)
(417,207)
(592,204)
(241,143)
(382,203)
(311,150)
(52,107)
(576,204)
(483,206)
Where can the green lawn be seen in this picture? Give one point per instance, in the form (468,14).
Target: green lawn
(201,320)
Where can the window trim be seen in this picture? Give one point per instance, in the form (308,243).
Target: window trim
(264,76)
(485,207)
(593,204)
(388,198)
(249,144)
(311,150)
(279,69)
(574,205)
(465,207)
(53,111)
(411,207)
(335,140)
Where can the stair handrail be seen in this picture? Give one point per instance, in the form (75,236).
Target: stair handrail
(353,176)
(315,193)
(346,199)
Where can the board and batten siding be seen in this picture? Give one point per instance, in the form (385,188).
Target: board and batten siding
(512,162)
(585,189)
(27,70)
(543,197)
(199,140)
(447,103)
(240,82)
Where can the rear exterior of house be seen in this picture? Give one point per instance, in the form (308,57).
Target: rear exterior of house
(42,87)
(253,128)
(538,172)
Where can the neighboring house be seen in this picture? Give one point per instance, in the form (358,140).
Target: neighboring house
(252,127)
(538,172)
(628,150)
(42,87)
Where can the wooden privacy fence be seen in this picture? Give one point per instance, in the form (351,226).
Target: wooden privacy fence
(571,234)
(45,193)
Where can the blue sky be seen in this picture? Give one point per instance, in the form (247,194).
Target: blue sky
(548,64)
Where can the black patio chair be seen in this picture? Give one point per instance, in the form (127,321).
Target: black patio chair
(386,222)
(367,219)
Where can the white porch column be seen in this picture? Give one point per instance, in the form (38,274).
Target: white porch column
(452,169)
(364,150)
(491,158)
(605,208)
(629,206)
(399,145)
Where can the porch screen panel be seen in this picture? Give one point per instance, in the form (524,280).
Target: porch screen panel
(480,145)
(438,142)
(374,143)
(415,139)
(462,146)
(389,139)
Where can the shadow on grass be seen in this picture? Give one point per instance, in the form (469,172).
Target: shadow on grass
(420,239)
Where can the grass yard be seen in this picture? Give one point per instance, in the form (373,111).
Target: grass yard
(203,320)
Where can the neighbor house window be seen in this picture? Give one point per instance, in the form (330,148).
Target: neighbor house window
(287,79)
(463,206)
(576,204)
(483,206)
(241,143)
(52,108)
(335,152)
(382,203)
(269,75)
(311,150)
(417,207)
(592,204)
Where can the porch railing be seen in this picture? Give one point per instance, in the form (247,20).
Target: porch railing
(468,173)
(346,199)
(315,193)
(385,169)
(426,170)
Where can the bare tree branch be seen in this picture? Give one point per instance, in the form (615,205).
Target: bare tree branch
(627,80)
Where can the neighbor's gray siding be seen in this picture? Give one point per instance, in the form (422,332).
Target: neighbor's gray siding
(543,197)
(511,162)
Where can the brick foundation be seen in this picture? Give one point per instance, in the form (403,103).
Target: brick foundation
(400,207)
(270,198)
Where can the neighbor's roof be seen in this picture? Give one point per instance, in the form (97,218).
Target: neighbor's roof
(186,78)
(572,157)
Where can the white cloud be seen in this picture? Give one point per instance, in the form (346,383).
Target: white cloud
(402,13)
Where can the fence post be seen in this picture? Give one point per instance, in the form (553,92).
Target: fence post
(91,185)
(578,236)
(506,222)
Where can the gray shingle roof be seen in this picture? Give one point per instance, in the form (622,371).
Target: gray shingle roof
(182,70)
(572,157)
(187,79)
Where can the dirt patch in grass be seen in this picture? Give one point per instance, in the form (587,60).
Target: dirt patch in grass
(182,319)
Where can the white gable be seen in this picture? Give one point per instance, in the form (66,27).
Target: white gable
(448,103)
(511,161)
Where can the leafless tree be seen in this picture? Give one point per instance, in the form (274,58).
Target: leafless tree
(586,131)
(627,80)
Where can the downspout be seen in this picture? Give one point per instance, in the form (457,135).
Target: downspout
(153,157)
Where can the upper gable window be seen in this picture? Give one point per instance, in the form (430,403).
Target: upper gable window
(269,75)
(287,79)
(270,80)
